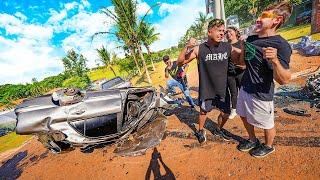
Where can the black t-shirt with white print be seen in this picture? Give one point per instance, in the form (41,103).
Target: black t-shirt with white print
(213,67)
(258,76)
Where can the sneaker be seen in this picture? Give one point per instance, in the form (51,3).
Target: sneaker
(248,145)
(262,151)
(233,114)
(201,136)
(223,135)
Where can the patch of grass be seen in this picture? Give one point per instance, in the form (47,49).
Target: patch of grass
(104,72)
(316,37)
(11,141)
(157,76)
(293,33)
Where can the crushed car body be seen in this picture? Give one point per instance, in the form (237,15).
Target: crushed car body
(72,118)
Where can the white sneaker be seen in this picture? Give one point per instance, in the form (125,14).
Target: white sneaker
(233,114)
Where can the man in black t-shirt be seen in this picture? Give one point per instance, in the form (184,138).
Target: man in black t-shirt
(179,78)
(266,56)
(213,56)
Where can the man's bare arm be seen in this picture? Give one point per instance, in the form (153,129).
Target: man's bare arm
(240,60)
(280,74)
(185,56)
(185,69)
(166,73)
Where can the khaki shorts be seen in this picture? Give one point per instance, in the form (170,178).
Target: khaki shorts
(258,113)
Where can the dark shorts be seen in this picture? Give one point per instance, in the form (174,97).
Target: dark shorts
(222,104)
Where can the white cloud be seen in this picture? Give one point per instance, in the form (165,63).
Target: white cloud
(16,26)
(70,6)
(57,16)
(84,25)
(167,8)
(84,4)
(142,8)
(23,59)
(174,25)
(27,56)
(21,16)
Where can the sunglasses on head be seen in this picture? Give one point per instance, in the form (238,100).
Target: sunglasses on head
(268,14)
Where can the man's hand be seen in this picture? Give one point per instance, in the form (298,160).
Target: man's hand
(188,53)
(270,54)
(243,67)
(182,74)
(280,74)
(191,43)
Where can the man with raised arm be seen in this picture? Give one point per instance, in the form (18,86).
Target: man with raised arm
(212,57)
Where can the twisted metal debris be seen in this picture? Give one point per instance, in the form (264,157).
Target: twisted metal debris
(313,89)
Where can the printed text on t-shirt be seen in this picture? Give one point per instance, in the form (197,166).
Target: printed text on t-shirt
(217,57)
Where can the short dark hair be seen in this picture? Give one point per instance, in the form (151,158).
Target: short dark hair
(215,22)
(238,34)
(165,58)
(283,9)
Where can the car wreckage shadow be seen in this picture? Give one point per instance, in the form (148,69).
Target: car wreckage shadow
(10,169)
(154,167)
(190,117)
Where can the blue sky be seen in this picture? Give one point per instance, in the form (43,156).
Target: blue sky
(36,34)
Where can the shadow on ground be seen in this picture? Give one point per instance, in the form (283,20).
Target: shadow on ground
(10,169)
(154,167)
(189,117)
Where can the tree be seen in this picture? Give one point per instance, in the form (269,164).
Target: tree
(148,36)
(128,27)
(202,18)
(247,10)
(128,46)
(74,64)
(196,30)
(105,58)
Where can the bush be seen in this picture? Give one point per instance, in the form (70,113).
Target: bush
(127,64)
(76,82)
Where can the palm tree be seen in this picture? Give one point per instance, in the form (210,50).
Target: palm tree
(128,27)
(202,22)
(148,36)
(202,19)
(128,46)
(105,58)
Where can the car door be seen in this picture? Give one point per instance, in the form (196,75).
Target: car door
(98,115)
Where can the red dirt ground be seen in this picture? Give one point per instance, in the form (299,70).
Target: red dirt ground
(179,155)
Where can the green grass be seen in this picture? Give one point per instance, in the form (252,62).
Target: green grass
(105,72)
(11,141)
(157,76)
(294,34)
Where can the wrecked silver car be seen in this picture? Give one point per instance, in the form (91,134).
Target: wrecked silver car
(71,118)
